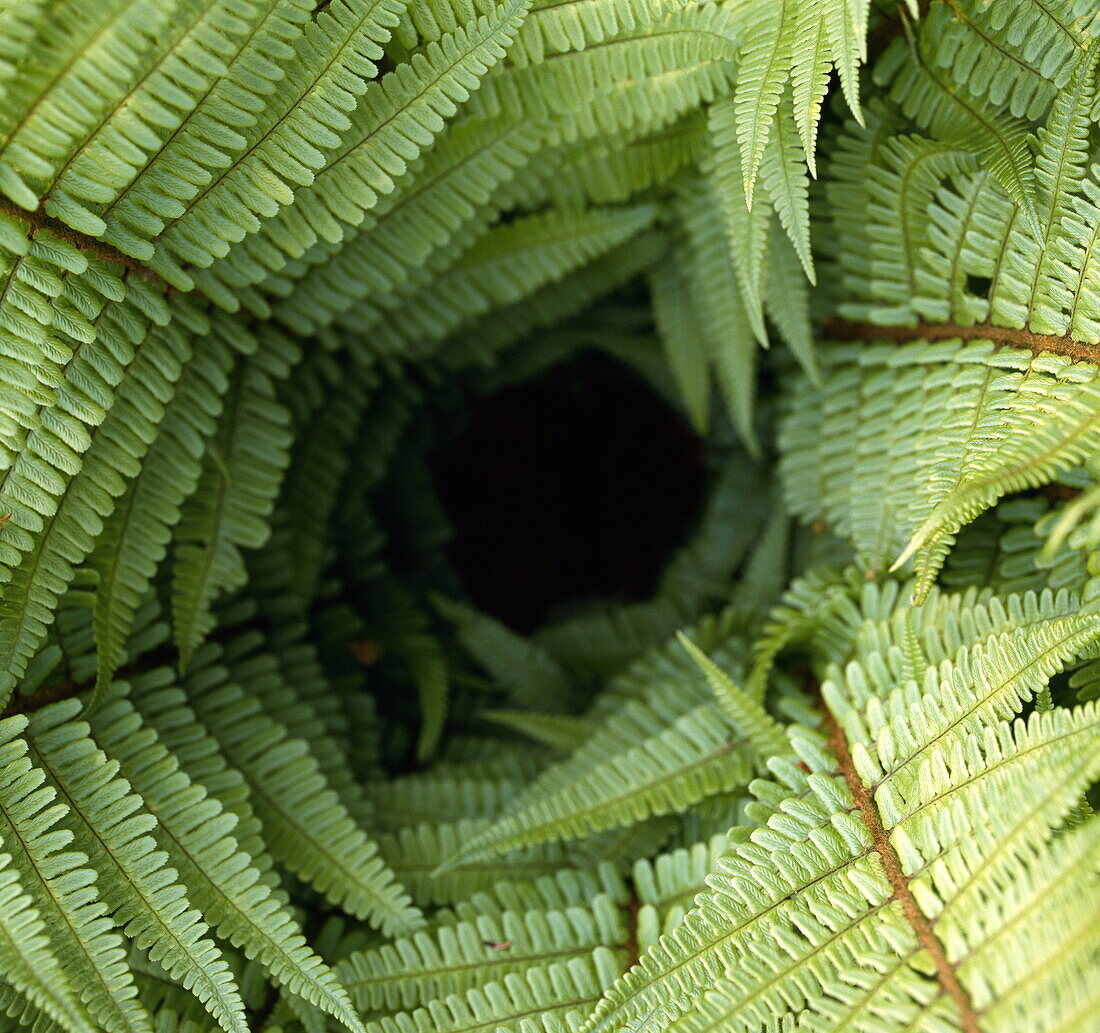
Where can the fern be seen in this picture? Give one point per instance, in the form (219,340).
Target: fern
(874,845)
(409,973)
(195,832)
(268,764)
(145,898)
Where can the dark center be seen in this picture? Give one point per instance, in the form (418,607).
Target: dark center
(575,486)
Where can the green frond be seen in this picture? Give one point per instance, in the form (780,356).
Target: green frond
(305,824)
(431,203)
(399,116)
(47,570)
(1082,11)
(811,66)
(663,665)
(1014,421)
(610,171)
(746,225)
(787,301)
(292,137)
(884,272)
(683,36)
(415,853)
(196,834)
(796,43)
(164,708)
(563,891)
(786,185)
(85,135)
(136,535)
(473,953)
(242,470)
(508,263)
(554,28)
(523,669)
(998,141)
(1035,293)
(18,28)
(283,677)
(319,464)
(668,884)
(1022,71)
(109,824)
(30,966)
(57,389)
(454,791)
(678,324)
(402,628)
(725,323)
(657,757)
(491,337)
(560,732)
(816,876)
(268,761)
(763,732)
(75,918)
(762,70)
(538,1001)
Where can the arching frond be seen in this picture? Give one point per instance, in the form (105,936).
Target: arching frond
(888,859)
(195,832)
(108,823)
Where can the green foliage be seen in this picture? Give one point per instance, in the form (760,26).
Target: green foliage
(265,764)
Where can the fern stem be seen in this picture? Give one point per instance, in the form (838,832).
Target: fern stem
(946,974)
(38,220)
(838,329)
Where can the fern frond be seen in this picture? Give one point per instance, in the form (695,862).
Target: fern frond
(654,759)
(431,203)
(746,225)
(522,668)
(1015,421)
(727,334)
(761,74)
(751,719)
(164,707)
(30,966)
(258,259)
(136,535)
(537,1001)
(196,834)
(305,119)
(109,824)
(560,732)
(127,430)
(305,824)
(399,116)
(64,891)
(450,792)
(678,325)
(997,140)
(243,468)
(415,853)
(881,852)
(507,264)
(1023,71)
(474,952)
(668,884)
